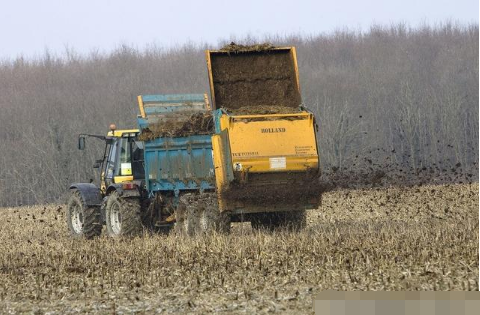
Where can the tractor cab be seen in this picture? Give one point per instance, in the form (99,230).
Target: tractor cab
(122,159)
(117,200)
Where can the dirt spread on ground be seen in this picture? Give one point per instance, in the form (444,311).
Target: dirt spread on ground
(195,124)
(254,77)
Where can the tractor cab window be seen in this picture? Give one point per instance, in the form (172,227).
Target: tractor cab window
(125,158)
(137,150)
(130,158)
(137,159)
(110,165)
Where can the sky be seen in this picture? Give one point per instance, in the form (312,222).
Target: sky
(29,27)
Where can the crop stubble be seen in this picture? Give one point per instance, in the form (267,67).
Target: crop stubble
(417,238)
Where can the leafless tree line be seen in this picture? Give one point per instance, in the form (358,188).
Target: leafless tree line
(398,95)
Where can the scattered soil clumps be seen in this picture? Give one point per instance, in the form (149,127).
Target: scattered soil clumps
(195,124)
(368,173)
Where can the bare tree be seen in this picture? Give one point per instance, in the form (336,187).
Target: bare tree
(405,94)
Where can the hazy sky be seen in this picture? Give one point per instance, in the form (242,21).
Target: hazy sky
(28,27)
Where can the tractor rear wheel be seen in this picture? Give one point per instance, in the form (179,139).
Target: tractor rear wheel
(211,220)
(190,223)
(123,216)
(199,214)
(187,218)
(83,221)
(208,216)
(180,214)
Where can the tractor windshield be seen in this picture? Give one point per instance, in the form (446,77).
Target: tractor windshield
(130,158)
(125,158)
(110,165)
(137,159)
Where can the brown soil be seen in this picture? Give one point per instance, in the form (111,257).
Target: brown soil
(263,110)
(254,78)
(232,47)
(196,124)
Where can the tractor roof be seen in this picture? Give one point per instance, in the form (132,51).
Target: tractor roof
(121,132)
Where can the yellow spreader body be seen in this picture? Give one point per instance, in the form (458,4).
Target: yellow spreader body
(264,160)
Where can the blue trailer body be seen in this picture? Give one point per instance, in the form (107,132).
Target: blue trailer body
(174,164)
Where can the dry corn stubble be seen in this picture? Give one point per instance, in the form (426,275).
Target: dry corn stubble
(419,238)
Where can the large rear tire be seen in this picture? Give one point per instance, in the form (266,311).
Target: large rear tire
(180,214)
(187,215)
(198,214)
(123,216)
(83,221)
(208,217)
(211,220)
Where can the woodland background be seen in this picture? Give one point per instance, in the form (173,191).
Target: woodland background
(392,97)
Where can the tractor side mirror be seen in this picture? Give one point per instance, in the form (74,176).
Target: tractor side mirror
(81,143)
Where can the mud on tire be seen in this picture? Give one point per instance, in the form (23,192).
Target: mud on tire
(123,216)
(198,214)
(211,220)
(224,223)
(82,221)
(187,220)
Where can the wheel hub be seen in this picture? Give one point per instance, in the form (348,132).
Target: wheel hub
(115,219)
(77,218)
(204,221)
